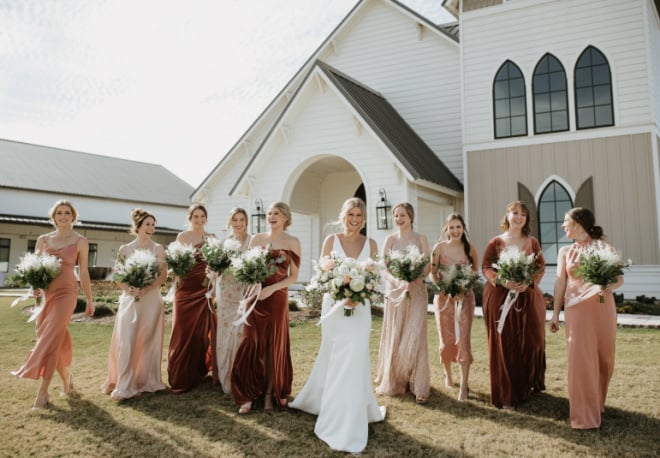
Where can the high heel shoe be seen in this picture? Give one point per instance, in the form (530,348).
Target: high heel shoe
(41,402)
(245,408)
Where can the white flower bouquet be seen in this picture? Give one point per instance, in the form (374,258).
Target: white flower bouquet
(457,280)
(600,264)
(515,265)
(407,264)
(349,280)
(138,270)
(218,254)
(38,271)
(180,257)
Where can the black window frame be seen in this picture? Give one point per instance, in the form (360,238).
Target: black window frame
(508,64)
(588,54)
(559,219)
(538,72)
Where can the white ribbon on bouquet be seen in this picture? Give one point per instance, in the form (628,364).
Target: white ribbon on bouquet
(586,294)
(250,296)
(40,306)
(506,307)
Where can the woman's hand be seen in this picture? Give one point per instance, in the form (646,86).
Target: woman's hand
(89,308)
(266,292)
(133,291)
(554,324)
(515,286)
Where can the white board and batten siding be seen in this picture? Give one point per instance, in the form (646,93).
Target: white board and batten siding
(416,72)
(522,33)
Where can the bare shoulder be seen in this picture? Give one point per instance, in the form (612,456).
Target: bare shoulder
(293,243)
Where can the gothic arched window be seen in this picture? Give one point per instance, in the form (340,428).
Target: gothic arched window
(509,102)
(550,96)
(553,204)
(593,90)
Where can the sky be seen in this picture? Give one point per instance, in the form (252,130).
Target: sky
(162,81)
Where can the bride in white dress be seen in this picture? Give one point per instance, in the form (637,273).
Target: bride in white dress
(339,389)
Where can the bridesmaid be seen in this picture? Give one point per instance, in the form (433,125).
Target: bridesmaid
(136,347)
(454,249)
(403,359)
(228,297)
(262,367)
(191,355)
(517,355)
(590,325)
(53,350)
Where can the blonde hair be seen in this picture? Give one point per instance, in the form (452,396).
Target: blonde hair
(62,203)
(286,211)
(235,211)
(138,215)
(408,208)
(349,204)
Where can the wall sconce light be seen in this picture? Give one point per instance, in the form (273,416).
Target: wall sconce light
(383,211)
(258,217)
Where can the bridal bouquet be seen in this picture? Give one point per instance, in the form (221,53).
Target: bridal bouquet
(38,271)
(251,268)
(355,281)
(218,254)
(138,270)
(600,264)
(457,280)
(407,264)
(180,257)
(515,265)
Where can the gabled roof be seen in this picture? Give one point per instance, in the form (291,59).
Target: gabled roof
(411,151)
(42,168)
(448,31)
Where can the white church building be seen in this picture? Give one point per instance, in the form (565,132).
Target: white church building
(507,103)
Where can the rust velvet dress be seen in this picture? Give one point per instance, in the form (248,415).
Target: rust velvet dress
(590,344)
(191,353)
(266,331)
(517,356)
(54,346)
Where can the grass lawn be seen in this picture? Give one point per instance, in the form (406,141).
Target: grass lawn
(205,422)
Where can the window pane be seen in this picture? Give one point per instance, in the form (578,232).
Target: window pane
(557,81)
(503,74)
(542,103)
(550,254)
(516,87)
(604,116)
(543,65)
(518,125)
(541,84)
(547,209)
(501,89)
(583,77)
(502,108)
(502,127)
(562,208)
(558,101)
(549,232)
(597,58)
(602,95)
(563,239)
(554,65)
(4,255)
(517,106)
(584,97)
(586,117)
(585,59)
(543,123)
(601,74)
(559,120)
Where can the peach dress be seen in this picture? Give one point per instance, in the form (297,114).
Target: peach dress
(54,347)
(136,347)
(451,349)
(590,343)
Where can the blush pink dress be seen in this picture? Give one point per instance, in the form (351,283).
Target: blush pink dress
(54,346)
(590,344)
(451,349)
(136,347)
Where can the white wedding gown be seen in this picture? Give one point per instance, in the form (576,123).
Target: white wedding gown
(339,389)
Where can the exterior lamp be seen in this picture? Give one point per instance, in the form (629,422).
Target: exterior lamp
(383,211)
(258,217)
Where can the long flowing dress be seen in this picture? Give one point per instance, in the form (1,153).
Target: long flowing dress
(403,358)
(266,336)
(590,338)
(191,354)
(54,347)
(228,297)
(136,346)
(517,355)
(339,388)
(450,348)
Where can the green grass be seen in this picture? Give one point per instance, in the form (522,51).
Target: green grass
(205,423)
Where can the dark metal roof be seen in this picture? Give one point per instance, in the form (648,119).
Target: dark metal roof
(40,221)
(411,151)
(43,168)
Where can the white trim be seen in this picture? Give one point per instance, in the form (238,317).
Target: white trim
(546,182)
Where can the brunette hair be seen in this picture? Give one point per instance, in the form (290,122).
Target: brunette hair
(194,207)
(585,218)
(138,215)
(62,203)
(465,239)
(526,229)
(235,211)
(408,208)
(286,211)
